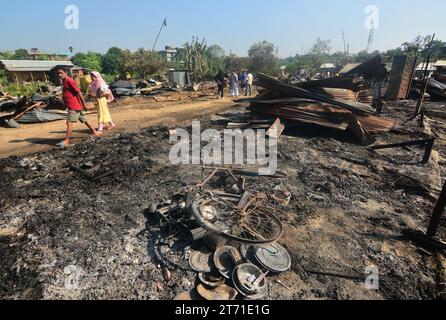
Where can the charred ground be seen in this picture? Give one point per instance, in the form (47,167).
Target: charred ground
(348,211)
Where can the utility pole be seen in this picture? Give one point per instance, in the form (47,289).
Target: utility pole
(159,33)
(345,46)
(371,38)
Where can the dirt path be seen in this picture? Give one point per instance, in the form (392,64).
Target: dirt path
(40,137)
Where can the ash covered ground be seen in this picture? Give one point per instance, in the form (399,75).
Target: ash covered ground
(92,240)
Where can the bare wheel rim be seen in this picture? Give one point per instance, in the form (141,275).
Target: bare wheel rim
(258,227)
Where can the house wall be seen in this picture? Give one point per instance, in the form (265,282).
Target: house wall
(30,76)
(27,76)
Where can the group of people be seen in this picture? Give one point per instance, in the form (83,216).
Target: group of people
(237,83)
(74,101)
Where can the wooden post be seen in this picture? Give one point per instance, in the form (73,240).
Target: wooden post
(428,151)
(425,79)
(415,61)
(437,215)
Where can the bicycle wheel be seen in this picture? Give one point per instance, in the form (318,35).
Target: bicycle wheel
(255,224)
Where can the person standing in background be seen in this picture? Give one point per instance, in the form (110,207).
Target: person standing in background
(234,84)
(249,83)
(242,81)
(220,79)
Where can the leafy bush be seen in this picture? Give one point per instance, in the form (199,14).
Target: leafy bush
(21,90)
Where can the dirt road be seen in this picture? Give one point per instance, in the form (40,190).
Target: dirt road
(40,137)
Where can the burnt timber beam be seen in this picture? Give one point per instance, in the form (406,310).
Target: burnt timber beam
(427,143)
(437,214)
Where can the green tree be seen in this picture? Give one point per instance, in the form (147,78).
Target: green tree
(419,47)
(307,62)
(290,64)
(414,47)
(3,77)
(6,55)
(321,47)
(216,58)
(90,60)
(20,54)
(263,58)
(319,53)
(389,55)
(194,56)
(340,58)
(113,62)
(43,57)
(143,63)
(436,51)
(232,62)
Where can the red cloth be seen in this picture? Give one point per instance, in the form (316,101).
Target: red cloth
(70,95)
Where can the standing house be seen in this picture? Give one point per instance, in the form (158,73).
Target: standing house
(169,54)
(20,71)
(37,54)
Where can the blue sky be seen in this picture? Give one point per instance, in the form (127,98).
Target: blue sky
(292,25)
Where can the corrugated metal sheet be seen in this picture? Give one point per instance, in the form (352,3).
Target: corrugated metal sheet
(328,66)
(42,116)
(369,68)
(32,65)
(349,67)
(440,63)
(422,67)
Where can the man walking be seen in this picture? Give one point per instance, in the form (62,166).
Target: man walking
(221,80)
(249,83)
(75,103)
